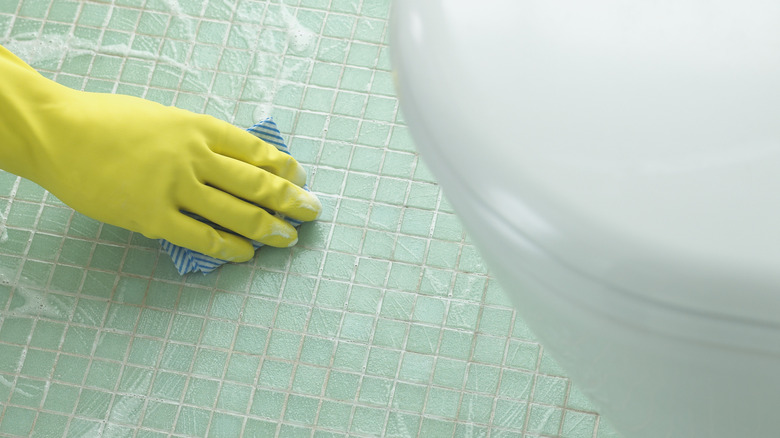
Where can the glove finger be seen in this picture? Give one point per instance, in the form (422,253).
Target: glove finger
(238,144)
(197,236)
(261,187)
(241,217)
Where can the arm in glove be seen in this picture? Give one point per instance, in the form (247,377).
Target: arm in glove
(136,164)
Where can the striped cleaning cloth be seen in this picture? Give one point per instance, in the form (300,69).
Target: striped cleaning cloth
(187,260)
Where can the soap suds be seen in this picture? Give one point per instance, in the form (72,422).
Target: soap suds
(269,63)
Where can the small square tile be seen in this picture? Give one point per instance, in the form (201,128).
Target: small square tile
(79,340)
(275,374)
(436,282)
(28,392)
(159,415)
(489,349)
(370,30)
(342,386)
(267,403)
(375,391)
(93,403)
(144,352)
(398,164)
(368,159)
(317,351)
(75,252)
(324,322)
(389,333)
(469,287)
(376,134)
(410,249)
(291,317)
(90,312)
(220,334)
(201,392)
(417,222)
(416,367)
(334,415)
(61,398)
(384,109)
(47,335)
(350,356)
(185,328)
(383,362)
(423,339)
(378,244)
(356,79)
(404,277)
(442,402)
(235,398)
(212,32)
(578,425)
(339,266)
(409,397)
(22,421)
(475,408)
(342,128)
(356,327)
(364,421)
(192,421)
(301,409)
(122,317)
(516,385)
(135,380)
(543,419)
(397,305)
(309,380)
(93,15)
(283,345)
(456,344)
(482,378)
(64,11)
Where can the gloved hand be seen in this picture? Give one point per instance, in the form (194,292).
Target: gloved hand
(137,164)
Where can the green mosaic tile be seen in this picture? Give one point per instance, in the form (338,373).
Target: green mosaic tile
(28,392)
(578,425)
(317,350)
(331,294)
(544,419)
(334,415)
(356,79)
(22,421)
(192,421)
(376,134)
(382,321)
(281,344)
(389,333)
(489,349)
(309,380)
(368,421)
(356,327)
(275,374)
(436,282)
(350,356)
(220,334)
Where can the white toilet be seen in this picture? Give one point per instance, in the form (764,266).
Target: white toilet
(618,164)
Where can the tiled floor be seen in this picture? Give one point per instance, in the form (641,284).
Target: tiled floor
(383,320)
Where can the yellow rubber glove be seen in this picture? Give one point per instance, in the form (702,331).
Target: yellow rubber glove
(137,164)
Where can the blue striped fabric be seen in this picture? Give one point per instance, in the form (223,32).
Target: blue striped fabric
(187,260)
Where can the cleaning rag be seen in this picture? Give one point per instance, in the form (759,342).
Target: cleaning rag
(187,260)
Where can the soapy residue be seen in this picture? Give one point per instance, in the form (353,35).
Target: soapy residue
(48,52)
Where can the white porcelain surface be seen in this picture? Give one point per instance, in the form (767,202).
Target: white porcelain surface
(618,164)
